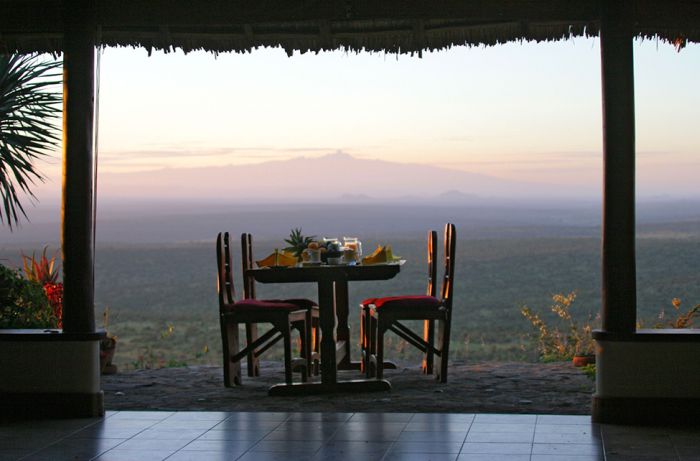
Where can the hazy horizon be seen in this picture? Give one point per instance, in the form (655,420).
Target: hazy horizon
(518,112)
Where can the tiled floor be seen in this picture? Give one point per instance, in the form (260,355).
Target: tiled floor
(180,436)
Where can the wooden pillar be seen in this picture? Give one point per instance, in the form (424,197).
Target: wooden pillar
(77,206)
(619,303)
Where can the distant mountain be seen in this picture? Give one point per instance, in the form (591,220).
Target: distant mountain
(330,178)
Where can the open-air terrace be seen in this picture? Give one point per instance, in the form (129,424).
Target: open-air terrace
(54,404)
(340,436)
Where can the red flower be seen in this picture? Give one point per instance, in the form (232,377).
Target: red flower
(54,292)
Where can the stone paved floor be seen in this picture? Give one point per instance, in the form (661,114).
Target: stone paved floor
(493,387)
(314,436)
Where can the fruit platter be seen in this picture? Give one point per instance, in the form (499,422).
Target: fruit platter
(303,250)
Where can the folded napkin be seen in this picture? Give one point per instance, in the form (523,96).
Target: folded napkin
(381,255)
(278,259)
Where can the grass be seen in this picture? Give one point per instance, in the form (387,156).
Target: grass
(151,287)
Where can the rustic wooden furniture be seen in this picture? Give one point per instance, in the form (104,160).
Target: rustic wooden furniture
(282,315)
(252,329)
(332,284)
(368,327)
(380,315)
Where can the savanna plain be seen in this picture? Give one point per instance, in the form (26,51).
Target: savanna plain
(158,297)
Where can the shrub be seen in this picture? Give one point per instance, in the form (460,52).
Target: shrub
(23,303)
(567,338)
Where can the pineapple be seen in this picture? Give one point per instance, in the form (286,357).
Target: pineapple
(298,243)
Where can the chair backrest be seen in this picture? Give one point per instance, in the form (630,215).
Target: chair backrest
(432,263)
(449,260)
(225,287)
(247,258)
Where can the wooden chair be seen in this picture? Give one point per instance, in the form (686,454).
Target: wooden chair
(302,303)
(379,315)
(283,316)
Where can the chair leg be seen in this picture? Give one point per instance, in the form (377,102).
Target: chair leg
(316,341)
(444,340)
(287,338)
(251,334)
(364,352)
(232,370)
(429,337)
(379,347)
(305,333)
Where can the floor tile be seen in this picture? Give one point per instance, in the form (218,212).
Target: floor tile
(427,436)
(201,456)
(317,416)
(376,435)
(281,456)
(184,424)
(107,433)
(201,415)
(497,448)
(330,455)
(135,455)
(434,426)
(568,428)
(566,449)
(169,434)
(502,427)
(500,437)
(346,446)
(247,425)
(443,417)
(215,434)
(147,444)
(420,457)
(567,458)
(302,433)
(381,417)
(508,419)
(288,446)
(563,419)
(566,438)
(75,449)
(142,415)
(491,457)
(425,447)
(230,446)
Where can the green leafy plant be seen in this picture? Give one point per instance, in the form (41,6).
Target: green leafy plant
(23,303)
(565,339)
(28,109)
(298,242)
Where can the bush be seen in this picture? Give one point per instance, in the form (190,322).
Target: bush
(565,338)
(23,304)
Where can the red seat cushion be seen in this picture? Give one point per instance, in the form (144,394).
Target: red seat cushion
(414,301)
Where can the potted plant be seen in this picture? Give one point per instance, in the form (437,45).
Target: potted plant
(108,346)
(569,340)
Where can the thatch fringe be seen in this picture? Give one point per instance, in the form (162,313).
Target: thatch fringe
(401,36)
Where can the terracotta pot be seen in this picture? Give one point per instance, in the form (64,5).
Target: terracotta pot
(107,348)
(583,360)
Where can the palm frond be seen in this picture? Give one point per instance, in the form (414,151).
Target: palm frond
(29,107)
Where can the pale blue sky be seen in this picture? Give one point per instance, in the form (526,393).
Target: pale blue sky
(520,111)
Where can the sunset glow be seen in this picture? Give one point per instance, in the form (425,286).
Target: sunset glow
(521,111)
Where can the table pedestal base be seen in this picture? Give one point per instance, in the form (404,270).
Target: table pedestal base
(360,385)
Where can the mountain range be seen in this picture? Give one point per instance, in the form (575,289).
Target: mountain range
(333,177)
